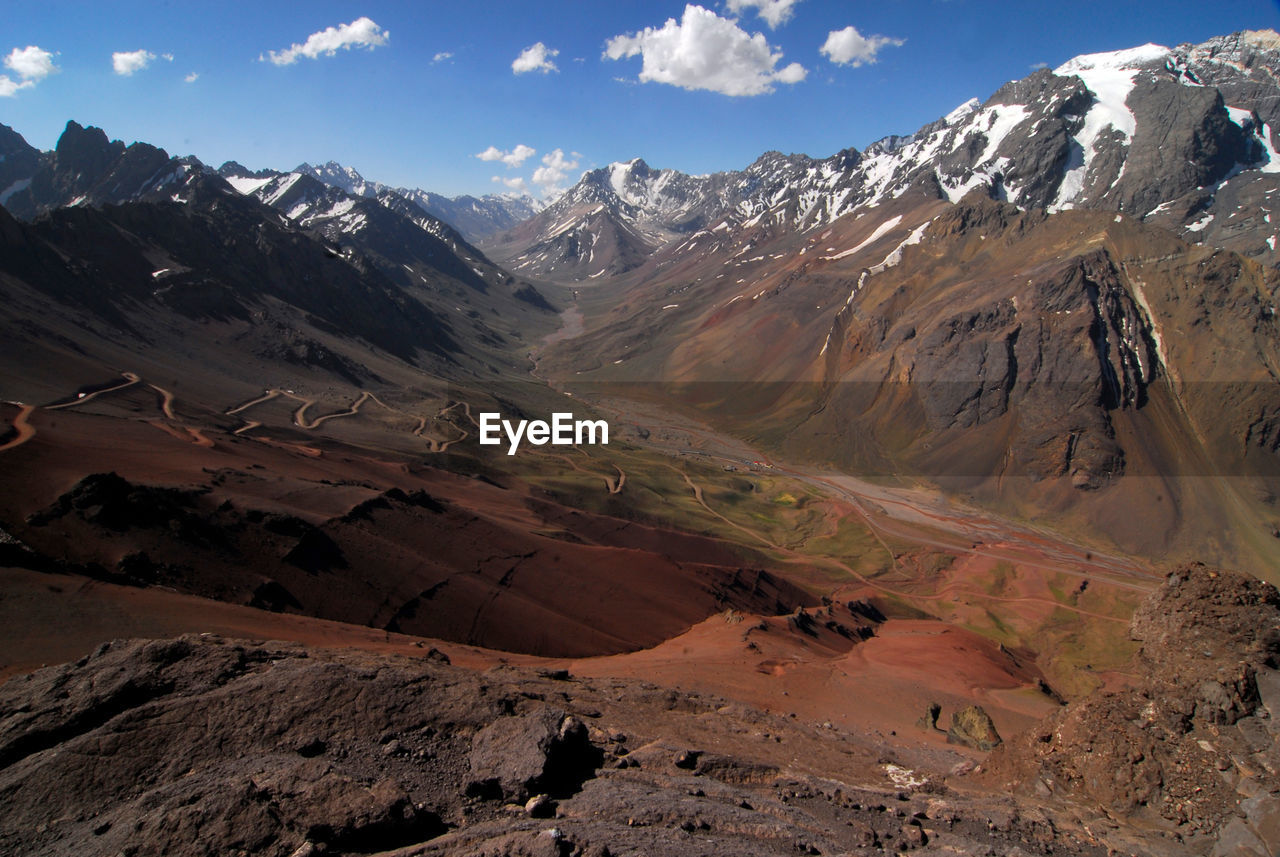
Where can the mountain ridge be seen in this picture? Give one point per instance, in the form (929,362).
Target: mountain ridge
(474,217)
(1058,139)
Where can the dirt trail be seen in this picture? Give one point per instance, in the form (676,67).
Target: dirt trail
(300,418)
(130,380)
(270,394)
(199,437)
(195,435)
(166,401)
(466,410)
(697,495)
(615,485)
(301,421)
(434,445)
(20,424)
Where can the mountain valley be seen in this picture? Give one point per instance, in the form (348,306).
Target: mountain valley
(953,423)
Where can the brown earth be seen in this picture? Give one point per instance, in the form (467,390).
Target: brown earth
(304,749)
(202,745)
(345,534)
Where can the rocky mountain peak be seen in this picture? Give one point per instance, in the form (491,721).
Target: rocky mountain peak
(1248,49)
(235,169)
(345,178)
(87,168)
(12,143)
(86,150)
(18,163)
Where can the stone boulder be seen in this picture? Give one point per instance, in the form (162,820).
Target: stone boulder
(545,751)
(972,727)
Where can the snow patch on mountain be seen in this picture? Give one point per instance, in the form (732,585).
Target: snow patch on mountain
(1111,78)
(247,185)
(281,188)
(16,187)
(962,111)
(895,256)
(1272,154)
(869,240)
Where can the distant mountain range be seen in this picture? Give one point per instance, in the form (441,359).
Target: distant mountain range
(474,217)
(1186,138)
(309,275)
(138,171)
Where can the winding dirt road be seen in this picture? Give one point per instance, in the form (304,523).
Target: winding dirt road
(130,380)
(20,424)
(301,421)
(166,401)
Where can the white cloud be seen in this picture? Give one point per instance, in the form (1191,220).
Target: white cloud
(442,56)
(516,183)
(705,51)
(849,47)
(536,57)
(192,78)
(514,158)
(554,170)
(360,33)
(31,64)
(774,12)
(126,63)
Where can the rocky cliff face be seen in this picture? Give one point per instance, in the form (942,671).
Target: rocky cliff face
(1193,743)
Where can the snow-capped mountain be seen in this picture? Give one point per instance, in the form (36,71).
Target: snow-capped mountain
(410,246)
(474,217)
(1187,137)
(612,220)
(336,175)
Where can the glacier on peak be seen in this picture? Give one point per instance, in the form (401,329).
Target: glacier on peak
(1128,58)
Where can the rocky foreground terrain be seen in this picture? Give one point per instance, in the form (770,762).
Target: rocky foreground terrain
(1195,741)
(203,745)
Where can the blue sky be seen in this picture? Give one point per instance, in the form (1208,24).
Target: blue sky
(421,88)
